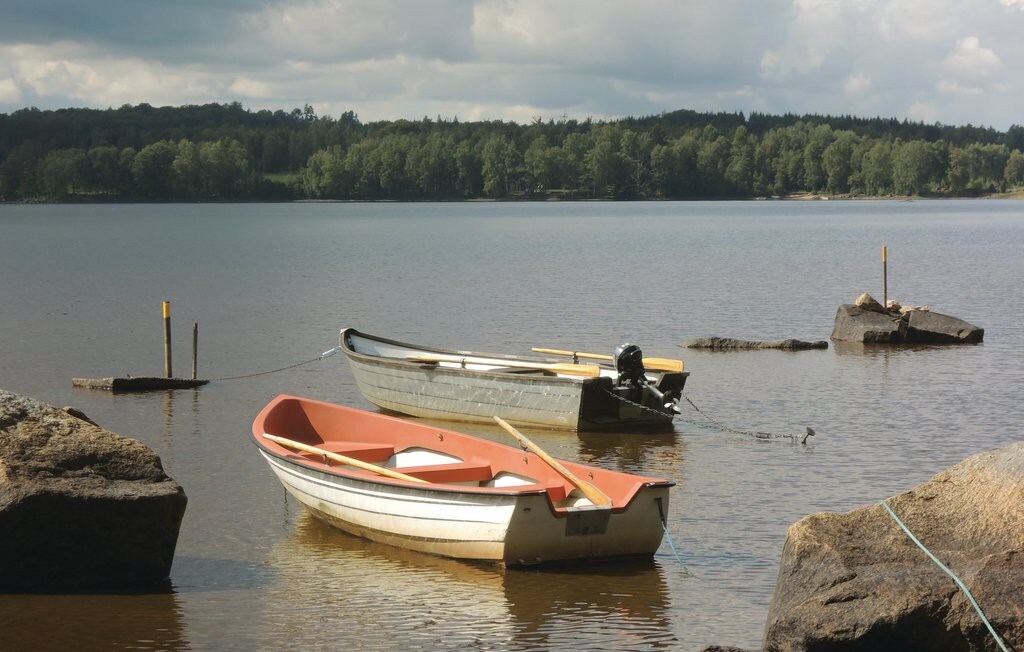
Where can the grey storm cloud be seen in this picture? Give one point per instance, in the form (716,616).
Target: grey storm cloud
(929,60)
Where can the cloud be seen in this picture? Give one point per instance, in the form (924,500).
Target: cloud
(857,84)
(86,76)
(521,59)
(970,69)
(9,92)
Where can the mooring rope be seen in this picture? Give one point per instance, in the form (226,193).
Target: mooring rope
(325,354)
(959,583)
(668,535)
(760,434)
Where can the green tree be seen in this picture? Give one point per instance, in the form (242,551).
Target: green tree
(104,171)
(876,169)
(815,177)
(915,166)
(469,170)
(59,172)
(541,163)
(187,174)
(1014,172)
(500,161)
(574,151)
(739,174)
(325,175)
(635,152)
(712,162)
(837,162)
(958,172)
(432,166)
(19,173)
(226,169)
(151,170)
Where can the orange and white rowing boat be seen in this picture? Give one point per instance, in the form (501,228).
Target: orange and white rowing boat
(446,493)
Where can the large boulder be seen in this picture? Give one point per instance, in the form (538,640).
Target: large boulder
(928,327)
(81,508)
(856,581)
(867,325)
(855,324)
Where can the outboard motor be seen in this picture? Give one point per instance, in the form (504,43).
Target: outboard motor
(629,364)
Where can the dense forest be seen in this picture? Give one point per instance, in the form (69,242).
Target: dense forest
(226,152)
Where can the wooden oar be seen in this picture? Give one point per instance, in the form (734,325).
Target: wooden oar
(592,493)
(657,364)
(351,461)
(590,370)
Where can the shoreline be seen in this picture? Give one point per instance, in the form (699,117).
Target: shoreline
(798,197)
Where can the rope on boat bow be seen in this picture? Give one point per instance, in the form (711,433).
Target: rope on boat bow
(326,354)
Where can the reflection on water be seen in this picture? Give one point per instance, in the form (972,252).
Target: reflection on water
(658,455)
(93,622)
(328,575)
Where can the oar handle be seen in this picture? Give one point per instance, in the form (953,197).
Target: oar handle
(657,364)
(592,493)
(344,459)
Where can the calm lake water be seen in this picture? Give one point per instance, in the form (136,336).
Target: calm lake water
(271,285)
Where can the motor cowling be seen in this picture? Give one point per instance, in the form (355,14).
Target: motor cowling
(629,365)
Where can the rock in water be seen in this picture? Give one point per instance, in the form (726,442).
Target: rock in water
(855,324)
(732,344)
(869,303)
(81,508)
(928,327)
(866,321)
(855,581)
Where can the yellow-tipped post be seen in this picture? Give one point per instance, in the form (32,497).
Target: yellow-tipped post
(885,278)
(167,339)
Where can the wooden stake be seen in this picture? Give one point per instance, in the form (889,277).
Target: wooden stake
(167,339)
(195,348)
(885,278)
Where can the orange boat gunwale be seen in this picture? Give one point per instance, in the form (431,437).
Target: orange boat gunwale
(380,430)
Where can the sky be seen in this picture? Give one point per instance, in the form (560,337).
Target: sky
(954,62)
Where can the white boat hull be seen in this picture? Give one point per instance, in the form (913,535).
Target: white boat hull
(512,528)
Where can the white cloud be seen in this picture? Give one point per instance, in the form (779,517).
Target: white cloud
(970,59)
(969,69)
(857,84)
(82,74)
(925,112)
(252,88)
(516,59)
(9,92)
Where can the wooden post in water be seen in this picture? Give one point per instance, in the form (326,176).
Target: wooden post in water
(885,278)
(195,347)
(167,339)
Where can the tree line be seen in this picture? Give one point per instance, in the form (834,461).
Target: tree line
(225,152)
